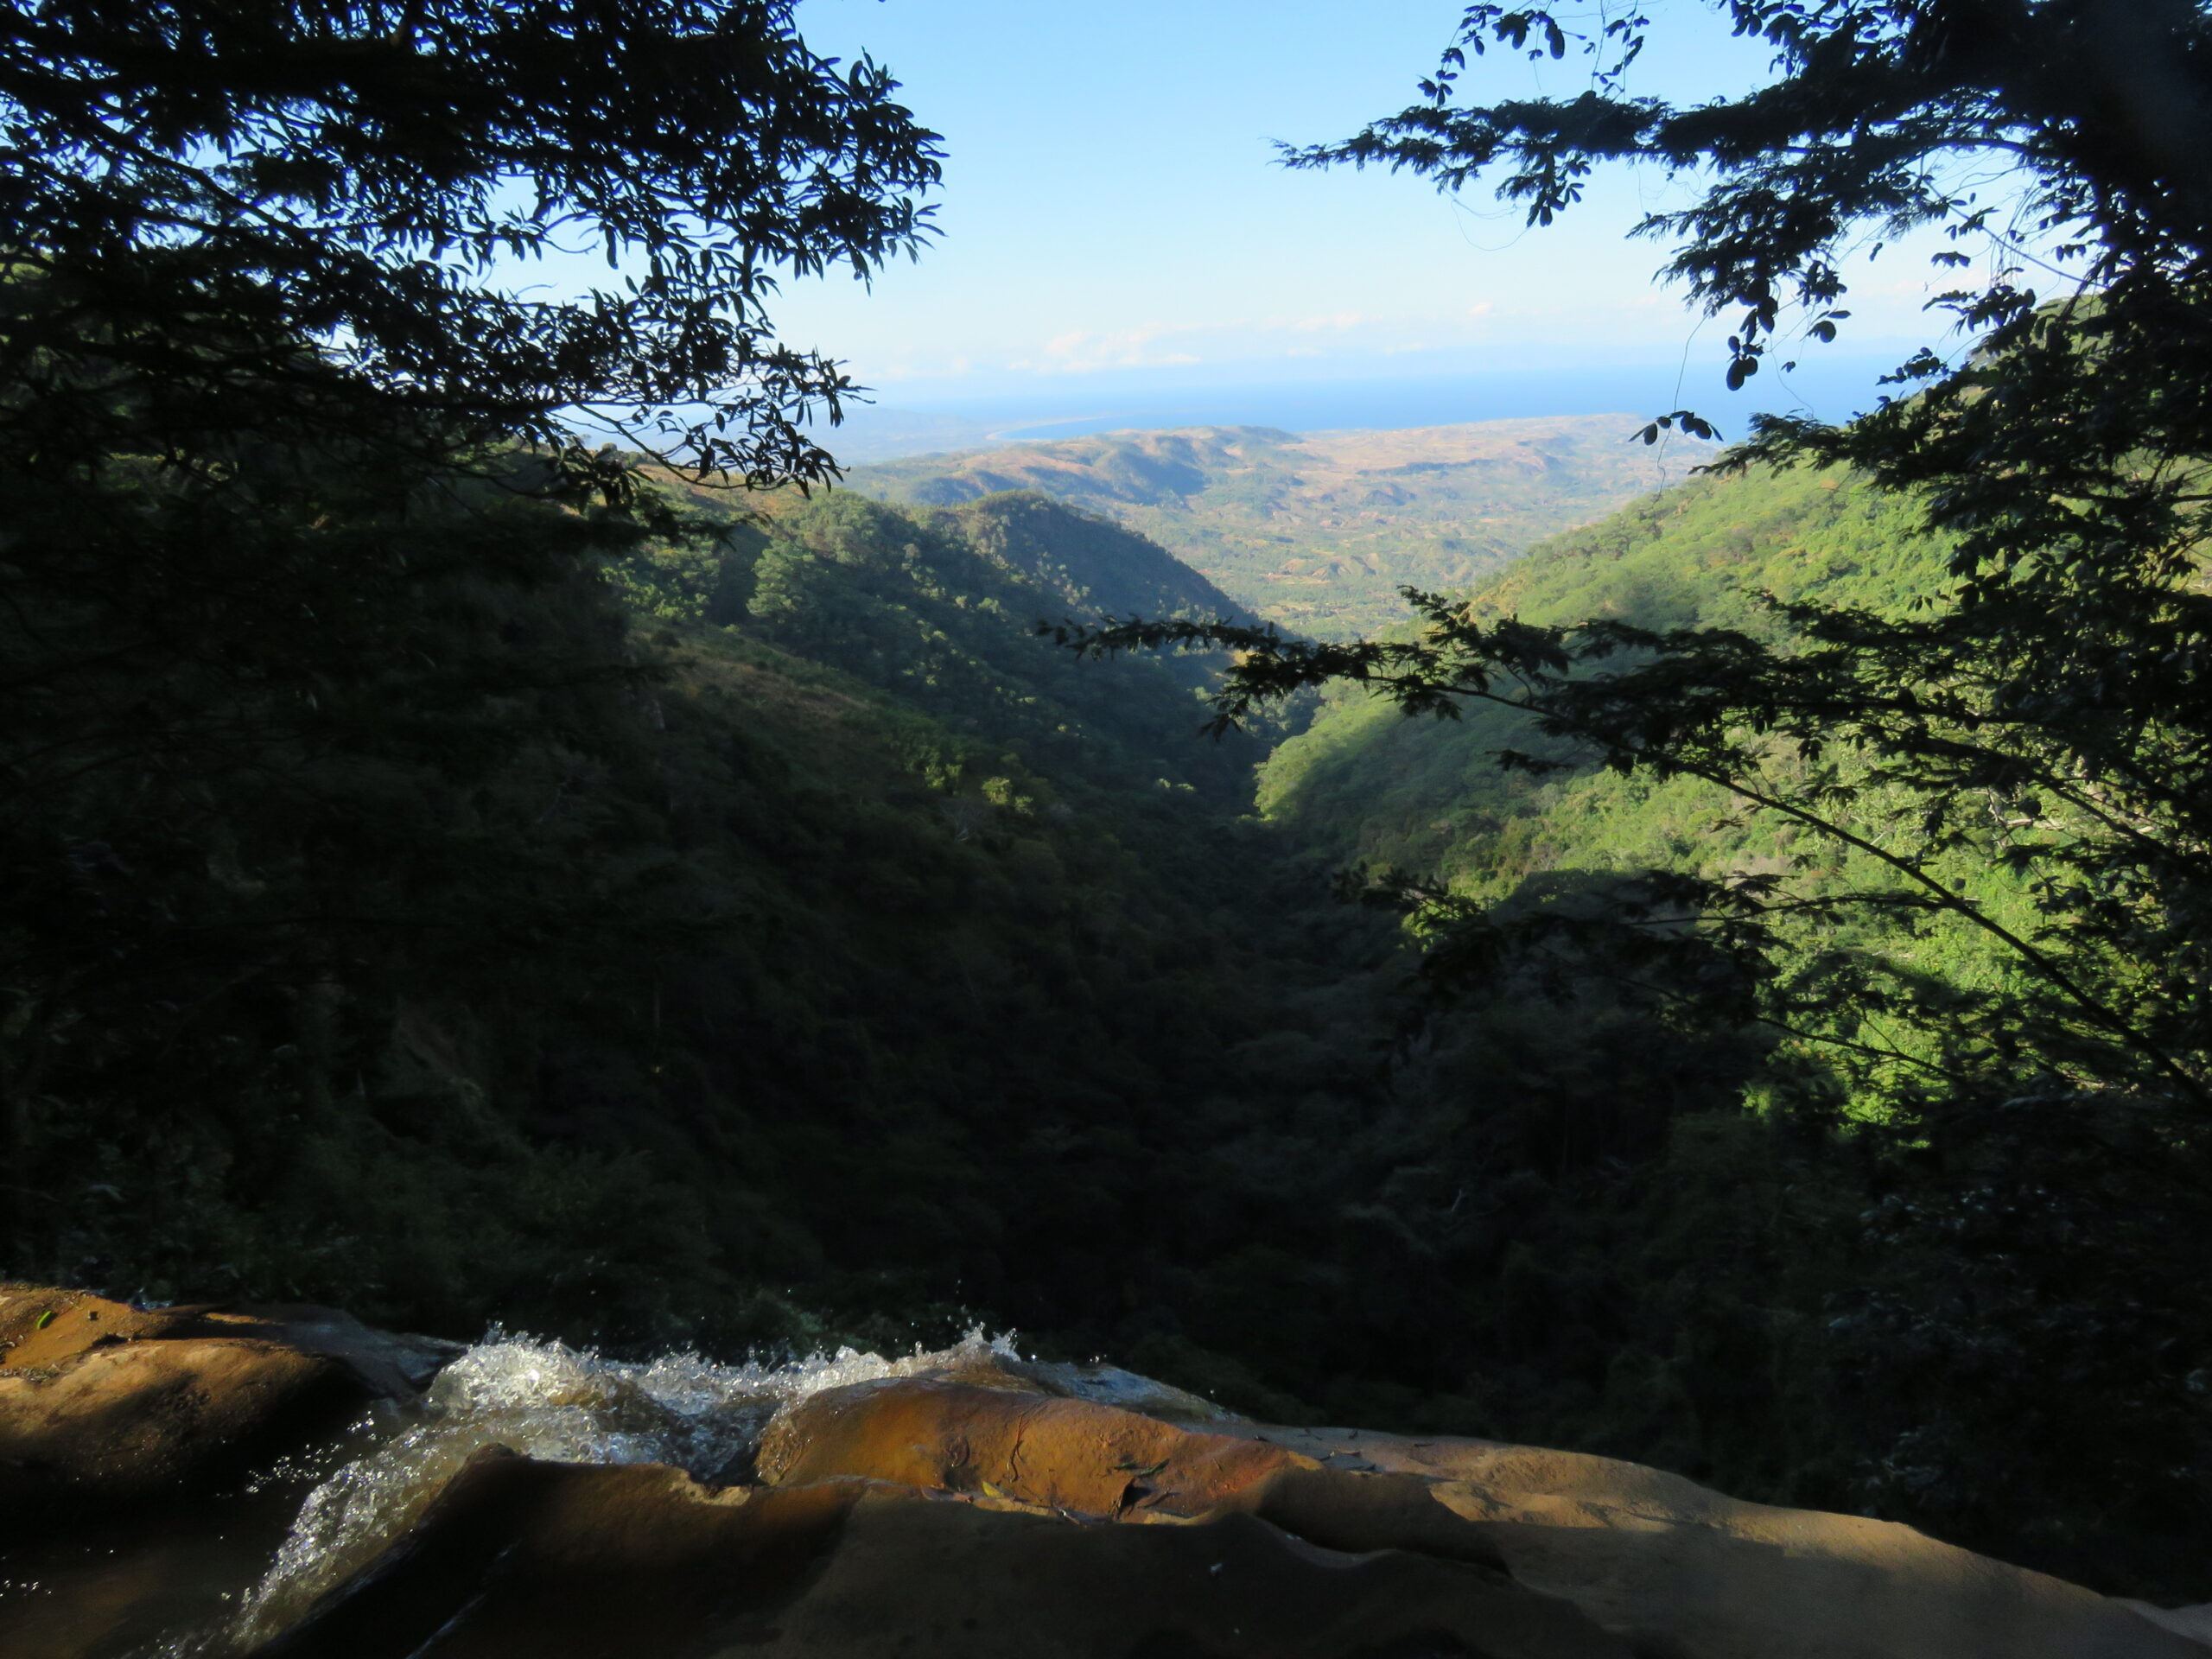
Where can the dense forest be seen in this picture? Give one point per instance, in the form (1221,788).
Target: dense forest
(682,872)
(1713,553)
(1897,1293)
(625,887)
(764,938)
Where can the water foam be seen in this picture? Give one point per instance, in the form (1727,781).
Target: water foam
(560,1404)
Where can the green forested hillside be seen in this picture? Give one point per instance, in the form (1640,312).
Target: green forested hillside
(1429,797)
(1317,531)
(758,935)
(942,610)
(1093,566)
(603,971)
(1817,1261)
(748,936)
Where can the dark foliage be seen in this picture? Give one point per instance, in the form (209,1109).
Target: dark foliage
(467,879)
(2017,760)
(328,215)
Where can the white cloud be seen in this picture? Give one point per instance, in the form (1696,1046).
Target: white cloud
(1083,351)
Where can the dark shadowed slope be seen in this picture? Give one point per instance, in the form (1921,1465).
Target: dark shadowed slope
(1095,566)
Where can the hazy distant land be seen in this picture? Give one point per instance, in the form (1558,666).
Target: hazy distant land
(1318,531)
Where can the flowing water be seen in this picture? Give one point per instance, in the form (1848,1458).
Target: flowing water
(553,1403)
(347,1502)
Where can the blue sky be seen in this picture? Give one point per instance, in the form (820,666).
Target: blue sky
(1114,224)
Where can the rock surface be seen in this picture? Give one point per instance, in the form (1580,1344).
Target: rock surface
(1668,1565)
(990,1510)
(104,1405)
(564,1562)
(966,1504)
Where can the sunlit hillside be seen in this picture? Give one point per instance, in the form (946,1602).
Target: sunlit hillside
(1429,796)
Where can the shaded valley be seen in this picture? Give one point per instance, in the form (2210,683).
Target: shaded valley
(571,975)
(759,937)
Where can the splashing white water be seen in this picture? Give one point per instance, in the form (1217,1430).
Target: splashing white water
(560,1404)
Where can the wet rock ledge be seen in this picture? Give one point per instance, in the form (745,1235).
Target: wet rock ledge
(106,1407)
(980,1507)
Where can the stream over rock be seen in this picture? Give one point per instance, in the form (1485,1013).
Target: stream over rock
(211,1482)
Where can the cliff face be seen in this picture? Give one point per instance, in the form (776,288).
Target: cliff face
(966,1502)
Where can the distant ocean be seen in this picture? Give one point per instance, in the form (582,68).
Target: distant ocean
(1833,388)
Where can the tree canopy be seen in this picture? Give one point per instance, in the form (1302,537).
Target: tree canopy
(2061,434)
(2043,709)
(1980,927)
(335,219)
(305,548)
(2069,133)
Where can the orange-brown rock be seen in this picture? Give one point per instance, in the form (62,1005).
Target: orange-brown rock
(103,1404)
(1057,1454)
(43,1326)
(121,1422)
(985,1507)
(565,1563)
(1076,1456)
(1667,1564)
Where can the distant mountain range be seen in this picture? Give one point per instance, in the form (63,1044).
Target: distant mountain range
(1317,531)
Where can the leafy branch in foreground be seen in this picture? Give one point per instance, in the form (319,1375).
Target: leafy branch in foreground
(302,616)
(2026,750)
(344,218)
(1891,742)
